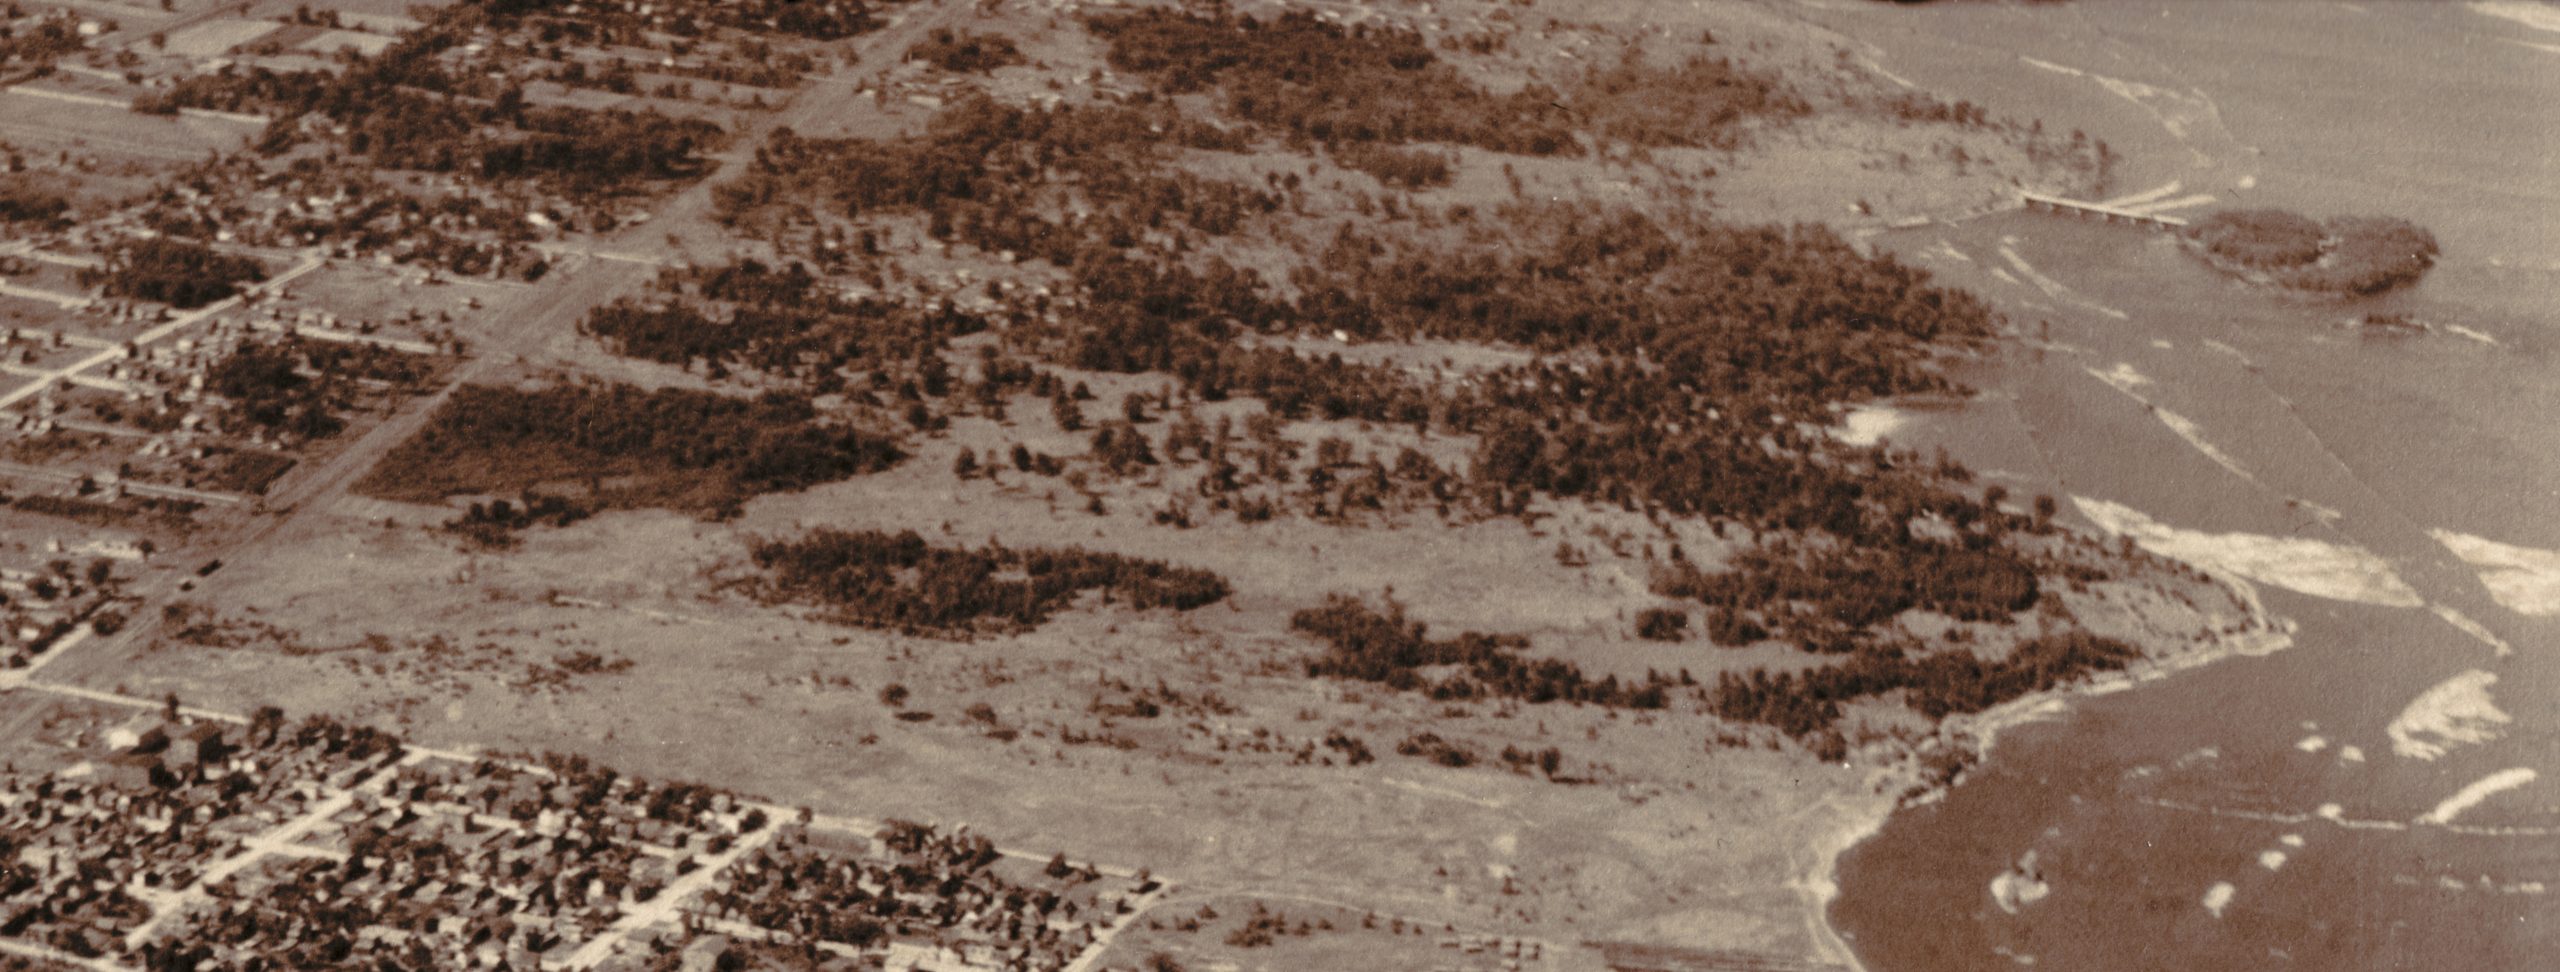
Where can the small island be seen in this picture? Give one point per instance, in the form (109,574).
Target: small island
(2347,255)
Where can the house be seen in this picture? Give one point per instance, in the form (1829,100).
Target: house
(703,954)
(193,745)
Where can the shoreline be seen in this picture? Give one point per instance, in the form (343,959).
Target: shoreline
(1977,734)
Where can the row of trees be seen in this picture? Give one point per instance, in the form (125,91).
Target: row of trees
(1367,645)
(875,579)
(1316,80)
(1938,684)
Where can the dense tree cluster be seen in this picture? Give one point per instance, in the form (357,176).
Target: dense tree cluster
(875,579)
(407,108)
(494,525)
(173,272)
(1823,597)
(1698,103)
(778,320)
(625,446)
(35,46)
(1938,684)
(267,388)
(2346,255)
(1318,80)
(966,51)
(1367,645)
(30,204)
(822,20)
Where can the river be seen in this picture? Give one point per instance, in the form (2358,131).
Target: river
(2385,794)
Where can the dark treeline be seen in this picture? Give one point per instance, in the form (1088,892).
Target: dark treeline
(987,174)
(267,388)
(2346,255)
(405,108)
(1939,684)
(1369,646)
(965,50)
(173,272)
(782,321)
(1320,81)
(587,21)
(494,525)
(27,204)
(625,446)
(1698,103)
(899,582)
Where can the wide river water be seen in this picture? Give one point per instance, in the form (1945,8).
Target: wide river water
(2384,794)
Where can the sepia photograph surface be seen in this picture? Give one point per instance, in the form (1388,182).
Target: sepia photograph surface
(1279,485)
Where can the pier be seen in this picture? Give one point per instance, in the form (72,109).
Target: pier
(2035,202)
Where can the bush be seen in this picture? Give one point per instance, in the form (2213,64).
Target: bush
(1455,755)
(1662,624)
(1398,168)
(28,204)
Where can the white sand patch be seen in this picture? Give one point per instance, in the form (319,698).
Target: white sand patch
(2311,744)
(2059,69)
(2337,571)
(2350,754)
(2327,515)
(2127,379)
(2271,859)
(2535,15)
(2463,623)
(2124,377)
(2522,579)
(2294,841)
(2475,335)
(2163,345)
(2219,897)
(2247,182)
(2006,277)
(2472,796)
(2331,812)
(1866,425)
(2187,429)
(2456,712)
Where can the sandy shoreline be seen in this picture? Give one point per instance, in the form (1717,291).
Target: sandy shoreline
(1976,734)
